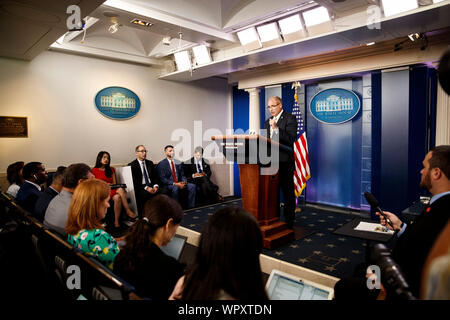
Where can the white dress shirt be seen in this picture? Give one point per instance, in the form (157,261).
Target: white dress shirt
(276,118)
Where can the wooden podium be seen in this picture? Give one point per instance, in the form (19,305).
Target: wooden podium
(259,186)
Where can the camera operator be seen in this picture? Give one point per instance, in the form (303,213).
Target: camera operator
(416,239)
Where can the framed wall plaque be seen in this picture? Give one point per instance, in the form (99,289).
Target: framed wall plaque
(13,127)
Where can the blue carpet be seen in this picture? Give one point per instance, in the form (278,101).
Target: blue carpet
(321,251)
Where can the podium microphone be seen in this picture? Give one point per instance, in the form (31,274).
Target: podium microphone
(376,205)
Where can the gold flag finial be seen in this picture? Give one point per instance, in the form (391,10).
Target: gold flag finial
(295,86)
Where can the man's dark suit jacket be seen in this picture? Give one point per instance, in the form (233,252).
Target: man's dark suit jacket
(136,172)
(190,168)
(165,172)
(27,196)
(287,133)
(414,245)
(42,203)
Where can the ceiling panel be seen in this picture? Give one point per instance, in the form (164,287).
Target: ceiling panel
(29,27)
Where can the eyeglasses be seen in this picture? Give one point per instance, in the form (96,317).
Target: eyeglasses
(272,106)
(142,151)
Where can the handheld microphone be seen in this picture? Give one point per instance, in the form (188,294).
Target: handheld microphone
(376,205)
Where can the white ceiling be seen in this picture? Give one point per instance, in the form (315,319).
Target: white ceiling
(29,27)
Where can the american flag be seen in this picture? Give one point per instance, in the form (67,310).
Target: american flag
(301,173)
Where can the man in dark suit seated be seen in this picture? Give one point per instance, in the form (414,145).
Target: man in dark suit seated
(416,239)
(49,193)
(173,180)
(198,172)
(34,174)
(145,179)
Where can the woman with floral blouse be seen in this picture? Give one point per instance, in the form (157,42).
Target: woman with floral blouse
(84,228)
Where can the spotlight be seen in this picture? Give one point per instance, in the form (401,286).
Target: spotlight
(414,36)
(201,54)
(269,34)
(166,41)
(291,28)
(393,7)
(113,28)
(317,21)
(183,60)
(249,39)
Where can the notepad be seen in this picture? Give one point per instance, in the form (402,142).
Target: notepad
(373,227)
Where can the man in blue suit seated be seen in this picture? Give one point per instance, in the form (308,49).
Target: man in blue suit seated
(52,191)
(173,181)
(34,174)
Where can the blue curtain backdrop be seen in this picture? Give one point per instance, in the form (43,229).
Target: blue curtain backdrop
(380,150)
(334,153)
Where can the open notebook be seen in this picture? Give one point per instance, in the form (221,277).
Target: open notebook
(175,247)
(284,286)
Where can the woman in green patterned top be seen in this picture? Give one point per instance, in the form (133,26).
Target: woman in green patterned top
(84,228)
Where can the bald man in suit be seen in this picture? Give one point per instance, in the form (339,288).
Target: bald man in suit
(282,127)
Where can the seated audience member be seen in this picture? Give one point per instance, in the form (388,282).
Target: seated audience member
(416,239)
(57,210)
(34,175)
(141,261)
(84,227)
(14,177)
(226,266)
(52,191)
(144,178)
(173,181)
(436,273)
(105,172)
(198,172)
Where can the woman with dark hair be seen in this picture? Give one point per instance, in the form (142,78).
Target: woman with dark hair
(105,172)
(84,227)
(227,263)
(14,176)
(141,262)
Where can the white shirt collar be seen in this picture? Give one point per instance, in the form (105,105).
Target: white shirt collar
(34,184)
(278,116)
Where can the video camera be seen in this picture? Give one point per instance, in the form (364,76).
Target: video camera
(392,277)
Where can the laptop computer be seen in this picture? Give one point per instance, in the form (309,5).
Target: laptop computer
(284,286)
(175,247)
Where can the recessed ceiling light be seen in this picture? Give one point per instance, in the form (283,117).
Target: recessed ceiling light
(142,23)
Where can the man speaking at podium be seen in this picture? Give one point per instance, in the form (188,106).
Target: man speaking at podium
(282,127)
